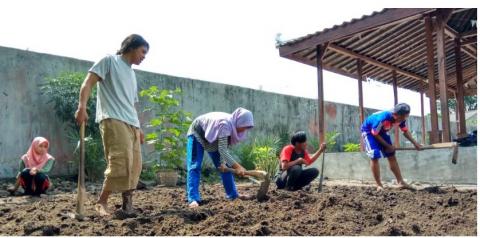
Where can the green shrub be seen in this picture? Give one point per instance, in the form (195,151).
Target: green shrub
(284,137)
(63,91)
(244,153)
(148,173)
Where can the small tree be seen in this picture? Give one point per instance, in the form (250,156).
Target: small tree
(170,125)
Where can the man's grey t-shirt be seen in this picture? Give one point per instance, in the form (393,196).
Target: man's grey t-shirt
(117,91)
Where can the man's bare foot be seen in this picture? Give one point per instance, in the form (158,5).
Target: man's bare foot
(193,204)
(101,209)
(246,197)
(380,188)
(404,185)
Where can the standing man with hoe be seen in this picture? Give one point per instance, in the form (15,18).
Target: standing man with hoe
(117,115)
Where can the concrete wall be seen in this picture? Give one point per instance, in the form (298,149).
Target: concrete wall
(433,166)
(25,113)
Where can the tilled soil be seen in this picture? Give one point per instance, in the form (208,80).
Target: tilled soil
(338,210)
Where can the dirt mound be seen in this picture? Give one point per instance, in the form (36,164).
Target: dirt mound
(338,210)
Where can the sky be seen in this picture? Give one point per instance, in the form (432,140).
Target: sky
(230,42)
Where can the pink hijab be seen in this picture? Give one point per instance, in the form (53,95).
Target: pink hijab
(32,159)
(220,124)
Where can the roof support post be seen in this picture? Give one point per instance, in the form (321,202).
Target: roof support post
(434,134)
(422,111)
(441,18)
(395,102)
(360,64)
(321,107)
(462,129)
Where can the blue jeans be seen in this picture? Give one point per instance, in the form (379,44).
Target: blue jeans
(194,168)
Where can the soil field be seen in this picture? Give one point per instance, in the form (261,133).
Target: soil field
(338,210)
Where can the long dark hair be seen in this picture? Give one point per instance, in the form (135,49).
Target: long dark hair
(132,42)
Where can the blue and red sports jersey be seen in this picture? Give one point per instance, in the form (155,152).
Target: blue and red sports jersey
(381,122)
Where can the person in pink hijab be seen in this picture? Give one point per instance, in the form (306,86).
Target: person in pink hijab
(34,167)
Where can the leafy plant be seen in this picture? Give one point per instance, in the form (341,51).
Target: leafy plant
(264,154)
(351,147)
(266,159)
(170,125)
(268,141)
(331,140)
(63,91)
(260,153)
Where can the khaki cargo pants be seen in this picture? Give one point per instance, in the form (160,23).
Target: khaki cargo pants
(121,143)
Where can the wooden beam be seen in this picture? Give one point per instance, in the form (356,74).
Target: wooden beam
(431,81)
(321,104)
(468,34)
(390,16)
(466,82)
(443,15)
(422,112)
(462,128)
(467,49)
(472,40)
(360,64)
(395,102)
(460,10)
(377,63)
(326,50)
(325,66)
(442,75)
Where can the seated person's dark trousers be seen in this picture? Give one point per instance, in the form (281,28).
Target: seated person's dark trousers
(296,178)
(34,185)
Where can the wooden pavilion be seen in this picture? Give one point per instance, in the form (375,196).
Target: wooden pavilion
(432,51)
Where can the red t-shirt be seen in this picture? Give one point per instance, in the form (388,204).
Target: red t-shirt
(288,154)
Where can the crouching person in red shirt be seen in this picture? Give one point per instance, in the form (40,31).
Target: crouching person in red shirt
(292,176)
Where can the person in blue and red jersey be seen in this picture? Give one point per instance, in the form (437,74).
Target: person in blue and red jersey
(378,143)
